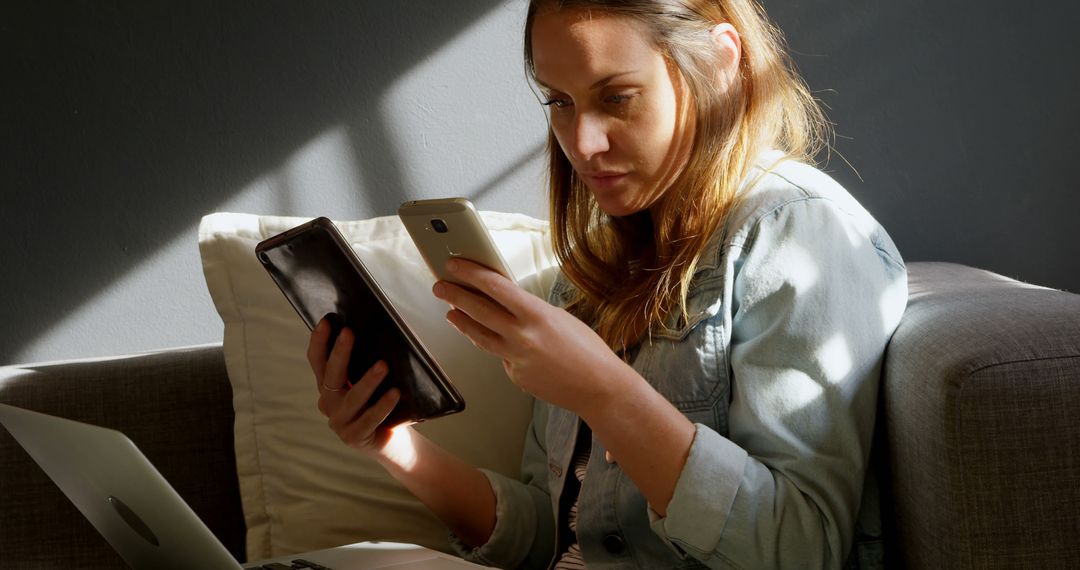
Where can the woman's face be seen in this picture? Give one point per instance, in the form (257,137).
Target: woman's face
(617,105)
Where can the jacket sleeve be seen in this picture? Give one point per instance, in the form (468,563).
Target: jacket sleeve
(524,535)
(816,296)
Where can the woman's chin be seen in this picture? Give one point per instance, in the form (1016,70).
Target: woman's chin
(618,206)
(618,209)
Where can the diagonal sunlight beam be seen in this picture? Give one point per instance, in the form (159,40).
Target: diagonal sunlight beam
(211,104)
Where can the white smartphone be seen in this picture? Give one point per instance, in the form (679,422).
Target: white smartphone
(446,228)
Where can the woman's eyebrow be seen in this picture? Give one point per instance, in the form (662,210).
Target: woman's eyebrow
(597,85)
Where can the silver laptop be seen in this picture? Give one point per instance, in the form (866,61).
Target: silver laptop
(142,517)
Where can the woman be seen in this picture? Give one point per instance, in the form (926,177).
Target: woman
(706,370)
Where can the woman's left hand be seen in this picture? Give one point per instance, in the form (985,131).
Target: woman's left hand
(546,351)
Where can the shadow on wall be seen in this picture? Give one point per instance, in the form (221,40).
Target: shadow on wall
(124,122)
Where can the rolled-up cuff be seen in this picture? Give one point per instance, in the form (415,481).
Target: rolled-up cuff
(515,526)
(705,491)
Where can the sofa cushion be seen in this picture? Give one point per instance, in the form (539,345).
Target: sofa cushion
(302,489)
(175,405)
(981,389)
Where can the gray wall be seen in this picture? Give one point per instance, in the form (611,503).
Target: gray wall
(125,122)
(961,118)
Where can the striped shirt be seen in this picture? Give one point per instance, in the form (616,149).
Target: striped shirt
(571,558)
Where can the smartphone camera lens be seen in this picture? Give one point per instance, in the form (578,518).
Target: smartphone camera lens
(263,257)
(438,225)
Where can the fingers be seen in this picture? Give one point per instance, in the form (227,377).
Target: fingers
(499,323)
(482,310)
(357,397)
(365,429)
(355,419)
(513,299)
(335,375)
(331,373)
(481,336)
(316,351)
(347,408)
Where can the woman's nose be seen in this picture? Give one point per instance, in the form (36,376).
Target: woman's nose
(590,137)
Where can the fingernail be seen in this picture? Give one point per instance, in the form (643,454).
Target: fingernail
(453,265)
(438,289)
(380,367)
(341,337)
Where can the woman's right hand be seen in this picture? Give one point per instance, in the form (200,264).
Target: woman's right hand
(351,416)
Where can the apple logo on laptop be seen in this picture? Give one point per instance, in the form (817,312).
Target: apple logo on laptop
(133,520)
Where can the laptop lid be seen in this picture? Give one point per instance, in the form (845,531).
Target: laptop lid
(117,489)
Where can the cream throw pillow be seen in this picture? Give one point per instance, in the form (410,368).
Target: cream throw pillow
(301,488)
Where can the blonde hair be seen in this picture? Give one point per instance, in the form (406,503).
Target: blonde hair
(626,285)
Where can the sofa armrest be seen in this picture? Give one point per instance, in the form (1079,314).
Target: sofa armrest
(981,390)
(175,405)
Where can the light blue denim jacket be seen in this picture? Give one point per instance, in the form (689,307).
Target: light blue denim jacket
(790,309)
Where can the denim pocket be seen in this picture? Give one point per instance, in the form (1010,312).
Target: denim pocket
(687,363)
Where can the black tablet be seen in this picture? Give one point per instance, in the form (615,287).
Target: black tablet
(321,275)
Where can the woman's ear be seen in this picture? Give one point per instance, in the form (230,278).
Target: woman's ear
(729,47)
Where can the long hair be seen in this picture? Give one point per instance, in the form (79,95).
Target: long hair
(632,273)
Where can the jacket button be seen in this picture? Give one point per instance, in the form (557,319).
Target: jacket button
(614,544)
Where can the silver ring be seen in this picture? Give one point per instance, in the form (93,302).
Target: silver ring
(329,389)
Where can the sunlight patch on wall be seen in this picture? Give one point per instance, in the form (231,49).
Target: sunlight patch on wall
(466,112)
(320,178)
(142,303)
(461,122)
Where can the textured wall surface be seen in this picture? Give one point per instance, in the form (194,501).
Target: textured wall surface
(961,118)
(125,122)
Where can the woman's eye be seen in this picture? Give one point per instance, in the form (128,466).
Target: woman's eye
(618,99)
(557,102)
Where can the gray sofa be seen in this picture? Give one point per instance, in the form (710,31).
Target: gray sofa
(978,447)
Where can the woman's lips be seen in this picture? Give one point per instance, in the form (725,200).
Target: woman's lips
(605,179)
